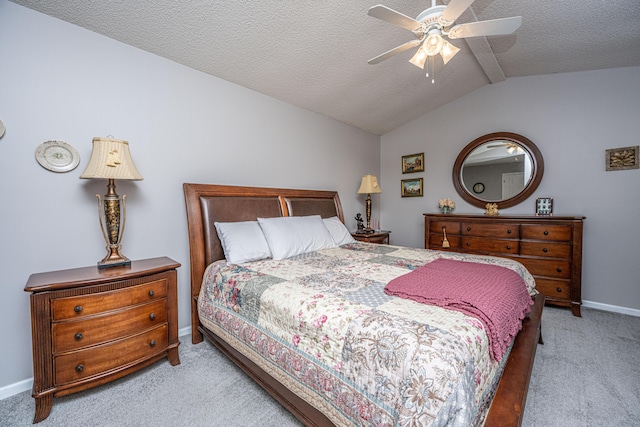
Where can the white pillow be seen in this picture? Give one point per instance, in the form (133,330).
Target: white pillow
(338,231)
(242,241)
(294,235)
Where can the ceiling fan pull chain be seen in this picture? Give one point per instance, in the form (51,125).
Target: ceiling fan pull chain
(433,69)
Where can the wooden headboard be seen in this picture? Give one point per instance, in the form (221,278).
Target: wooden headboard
(207,203)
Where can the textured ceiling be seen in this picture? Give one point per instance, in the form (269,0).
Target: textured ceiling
(314,54)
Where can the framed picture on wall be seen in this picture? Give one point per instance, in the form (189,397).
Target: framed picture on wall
(619,159)
(413,163)
(412,187)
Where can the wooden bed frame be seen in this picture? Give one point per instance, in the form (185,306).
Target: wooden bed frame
(209,203)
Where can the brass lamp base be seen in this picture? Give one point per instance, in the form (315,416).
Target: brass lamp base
(114,259)
(112,228)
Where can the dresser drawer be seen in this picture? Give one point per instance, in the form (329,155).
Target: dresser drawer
(547,232)
(556,268)
(480,244)
(452,227)
(78,306)
(71,335)
(546,249)
(493,230)
(557,289)
(82,364)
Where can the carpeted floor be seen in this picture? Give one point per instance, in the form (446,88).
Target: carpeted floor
(586,374)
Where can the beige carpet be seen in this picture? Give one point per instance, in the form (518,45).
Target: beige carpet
(586,374)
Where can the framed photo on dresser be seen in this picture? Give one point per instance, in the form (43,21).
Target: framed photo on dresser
(544,206)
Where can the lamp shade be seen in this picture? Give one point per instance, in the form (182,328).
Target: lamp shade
(111,159)
(369,185)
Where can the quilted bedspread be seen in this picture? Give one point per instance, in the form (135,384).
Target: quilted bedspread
(323,326)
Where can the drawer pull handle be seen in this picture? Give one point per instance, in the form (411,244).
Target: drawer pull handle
(559,289)
(77,308)
(79,368)
(152,343)
(546,233)
(78,336)
(151,293)
(468,243)
(508,247)
(152,316)
(468,228)
(545,250)
(559,270)
(508,231)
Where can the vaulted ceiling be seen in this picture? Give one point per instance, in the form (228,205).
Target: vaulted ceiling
(314,54)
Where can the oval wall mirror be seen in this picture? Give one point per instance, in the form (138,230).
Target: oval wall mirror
(502,167)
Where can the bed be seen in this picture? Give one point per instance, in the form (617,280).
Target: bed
(332,361)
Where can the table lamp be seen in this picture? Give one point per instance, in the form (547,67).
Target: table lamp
(111,160)
(368,186)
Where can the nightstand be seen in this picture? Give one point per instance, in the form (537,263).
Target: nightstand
(90,326)
(381,237)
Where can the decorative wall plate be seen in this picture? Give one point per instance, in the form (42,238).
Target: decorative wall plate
(57,156)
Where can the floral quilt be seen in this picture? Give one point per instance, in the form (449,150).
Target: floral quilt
(322,325)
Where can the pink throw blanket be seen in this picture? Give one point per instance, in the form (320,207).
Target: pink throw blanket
(497,296)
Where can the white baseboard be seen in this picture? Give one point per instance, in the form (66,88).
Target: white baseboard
(613,308)
(15,388)
(24,385)
(184,331)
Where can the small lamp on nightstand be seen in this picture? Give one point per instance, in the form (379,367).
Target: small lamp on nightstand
(111,159)
(369,186)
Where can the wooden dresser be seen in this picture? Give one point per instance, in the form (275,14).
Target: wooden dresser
(91,326)
(549,247)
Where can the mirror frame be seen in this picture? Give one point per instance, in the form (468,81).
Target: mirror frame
(530,148)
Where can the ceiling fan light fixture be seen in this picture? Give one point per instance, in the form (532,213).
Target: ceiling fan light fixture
(433,43)
(419,58)
(448,51)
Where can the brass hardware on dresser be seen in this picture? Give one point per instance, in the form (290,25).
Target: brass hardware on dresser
(549,247)
(91,326)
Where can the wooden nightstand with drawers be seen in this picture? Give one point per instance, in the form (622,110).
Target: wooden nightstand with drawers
(380,237)
(91,326)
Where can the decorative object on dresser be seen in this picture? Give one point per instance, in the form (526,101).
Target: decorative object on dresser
(544,206)
(446,205)
(411,187)
(413,163)
(502,167)
(91,326)
(381,237)
(549,247)
(491,209)
(369,185)
(111,159)
(619,159)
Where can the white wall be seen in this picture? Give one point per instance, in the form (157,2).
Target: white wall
(573,118)
(58,81)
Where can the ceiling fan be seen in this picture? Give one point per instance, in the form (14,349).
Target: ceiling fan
(511,147)
(434,24)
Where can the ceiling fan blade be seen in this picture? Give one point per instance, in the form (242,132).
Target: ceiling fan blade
(454,10)
(394,51)
(382,12)
(493,27)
